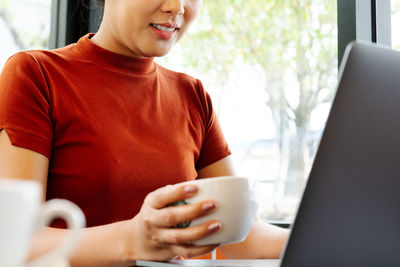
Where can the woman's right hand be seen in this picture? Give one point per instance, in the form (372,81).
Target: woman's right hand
(155,236)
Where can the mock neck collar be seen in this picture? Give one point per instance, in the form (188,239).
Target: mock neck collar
(137,65)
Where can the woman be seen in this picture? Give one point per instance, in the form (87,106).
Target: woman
(101,124)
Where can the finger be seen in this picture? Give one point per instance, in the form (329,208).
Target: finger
(172,216)
(168,194)
(175,236)
(192,251)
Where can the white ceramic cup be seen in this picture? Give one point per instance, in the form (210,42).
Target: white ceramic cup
(22,214)
(235,208)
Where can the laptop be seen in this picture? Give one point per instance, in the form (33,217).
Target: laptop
(349,214)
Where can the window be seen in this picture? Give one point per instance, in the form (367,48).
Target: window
(271,69)
(395,23)
(24,24)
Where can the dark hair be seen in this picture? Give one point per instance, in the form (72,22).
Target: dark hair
(97,7)
(98,4)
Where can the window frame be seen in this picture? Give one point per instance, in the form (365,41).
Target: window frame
(70,19)
(363,20)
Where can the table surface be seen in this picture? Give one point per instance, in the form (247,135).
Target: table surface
(211,263)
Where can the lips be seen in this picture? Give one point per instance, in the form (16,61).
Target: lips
(164,27)
(164,30)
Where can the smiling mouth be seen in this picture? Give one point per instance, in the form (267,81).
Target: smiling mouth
(163,28)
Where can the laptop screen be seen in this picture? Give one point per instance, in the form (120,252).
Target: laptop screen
(349,214)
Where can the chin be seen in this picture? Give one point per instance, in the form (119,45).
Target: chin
(155,50)
(159,52)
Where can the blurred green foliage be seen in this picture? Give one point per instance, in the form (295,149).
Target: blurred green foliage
(28,32)
(294,42)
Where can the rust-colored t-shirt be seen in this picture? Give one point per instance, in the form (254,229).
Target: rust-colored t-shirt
(114,127)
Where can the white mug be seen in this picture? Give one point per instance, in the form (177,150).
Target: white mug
(22,214)
(235,208)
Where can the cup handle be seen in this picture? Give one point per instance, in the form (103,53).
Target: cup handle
(73,215)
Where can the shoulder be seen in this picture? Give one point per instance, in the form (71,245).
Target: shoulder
(21,59)
(183,81)
(41,57)
(26,72)
(21,64)
(177,76)
(189,88)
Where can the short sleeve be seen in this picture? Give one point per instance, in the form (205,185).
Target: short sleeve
(214,145)
(25,110)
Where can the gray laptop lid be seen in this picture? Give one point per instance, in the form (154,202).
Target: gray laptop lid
(350,211)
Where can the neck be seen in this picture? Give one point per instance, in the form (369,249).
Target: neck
(105,39)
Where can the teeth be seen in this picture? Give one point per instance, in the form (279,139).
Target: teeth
(162,28)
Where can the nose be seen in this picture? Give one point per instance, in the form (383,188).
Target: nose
(176,7)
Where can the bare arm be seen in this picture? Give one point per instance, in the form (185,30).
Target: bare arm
(16,162)
(264,240)
(149,235)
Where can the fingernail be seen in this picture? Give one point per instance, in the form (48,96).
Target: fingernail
(208,206)
(214,226)
(190,189)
